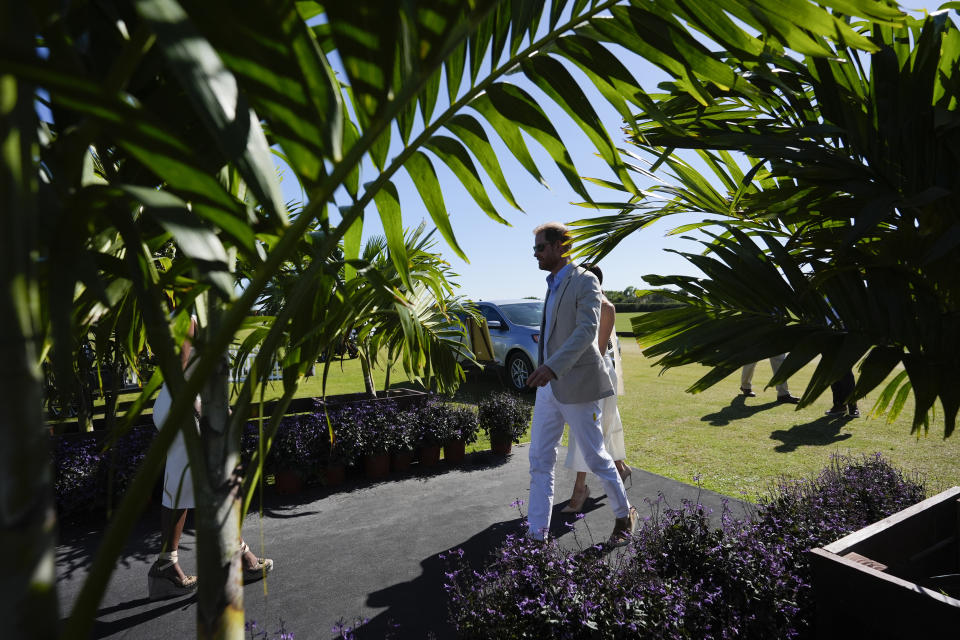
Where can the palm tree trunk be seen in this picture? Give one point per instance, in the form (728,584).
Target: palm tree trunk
(367,369)
(112,397)
(220,584)
(28,607)
(390,361)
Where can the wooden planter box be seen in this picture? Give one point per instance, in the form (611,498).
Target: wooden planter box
(892,579)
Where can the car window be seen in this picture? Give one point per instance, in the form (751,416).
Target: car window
(490,313)
(524,313)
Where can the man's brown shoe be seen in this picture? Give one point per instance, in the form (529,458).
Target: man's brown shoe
(623,529)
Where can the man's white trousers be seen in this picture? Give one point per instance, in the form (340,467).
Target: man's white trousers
(549,417)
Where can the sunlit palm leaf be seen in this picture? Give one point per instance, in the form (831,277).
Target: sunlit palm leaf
(853,159)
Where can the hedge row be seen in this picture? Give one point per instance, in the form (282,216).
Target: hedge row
(638,307)
(89,476)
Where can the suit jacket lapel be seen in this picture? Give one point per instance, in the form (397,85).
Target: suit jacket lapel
(555,300)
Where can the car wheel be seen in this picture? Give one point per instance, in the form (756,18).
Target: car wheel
(519,369)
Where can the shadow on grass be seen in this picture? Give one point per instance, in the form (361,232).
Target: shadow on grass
(738,409)
(822,432)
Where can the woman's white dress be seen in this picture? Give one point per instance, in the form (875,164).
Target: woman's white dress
(177,483)
(609,415)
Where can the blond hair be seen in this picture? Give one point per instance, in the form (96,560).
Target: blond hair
(554,232)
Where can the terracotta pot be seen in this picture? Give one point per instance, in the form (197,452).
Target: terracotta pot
(334,475)
(401,460)
(429,455)
(454,451)
(376,466)
(288,482)
(500,444)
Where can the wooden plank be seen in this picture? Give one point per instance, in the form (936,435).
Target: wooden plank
(873,564)
(848,543)
(853,600)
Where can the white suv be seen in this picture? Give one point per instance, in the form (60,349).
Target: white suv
(514,327)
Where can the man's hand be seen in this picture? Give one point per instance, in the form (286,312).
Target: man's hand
(541,376)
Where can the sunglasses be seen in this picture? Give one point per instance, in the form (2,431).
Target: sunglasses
(537,248)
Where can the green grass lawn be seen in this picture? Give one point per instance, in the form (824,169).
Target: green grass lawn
(736,445)
(739,445)
(622,323)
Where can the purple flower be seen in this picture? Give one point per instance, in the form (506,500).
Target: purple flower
(680,577)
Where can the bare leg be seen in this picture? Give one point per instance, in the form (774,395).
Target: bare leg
(172,522)
(165,578)
(580,483)
(580,494)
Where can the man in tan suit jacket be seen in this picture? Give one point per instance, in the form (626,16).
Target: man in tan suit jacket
(571,381)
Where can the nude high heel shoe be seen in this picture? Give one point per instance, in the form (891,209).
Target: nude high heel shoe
(574,506)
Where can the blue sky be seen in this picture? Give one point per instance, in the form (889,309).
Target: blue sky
(501,263)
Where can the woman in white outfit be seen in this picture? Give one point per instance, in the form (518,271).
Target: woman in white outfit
(610,415)
(166,579)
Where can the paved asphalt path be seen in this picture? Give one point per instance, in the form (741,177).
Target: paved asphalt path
(368,550)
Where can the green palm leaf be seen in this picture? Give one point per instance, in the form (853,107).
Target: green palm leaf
(215,93)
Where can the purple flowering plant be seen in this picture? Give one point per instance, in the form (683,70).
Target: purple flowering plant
(374,427)
(445,421)
(89,475)
(462,423)
(76,461)
(344,448)
(428,422)
(680,576)
(122,460)
(504,414)
(295,446)
(256,632)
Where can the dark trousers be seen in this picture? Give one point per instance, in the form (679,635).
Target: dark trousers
(842,389)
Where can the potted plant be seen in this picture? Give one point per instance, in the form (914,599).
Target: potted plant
(376,429)
(76,462)
(429,427)
(122,460)
(337,450)
(505,417)
(291,456)
(401,440)
(462,427)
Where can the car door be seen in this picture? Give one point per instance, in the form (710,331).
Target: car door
(499,337)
